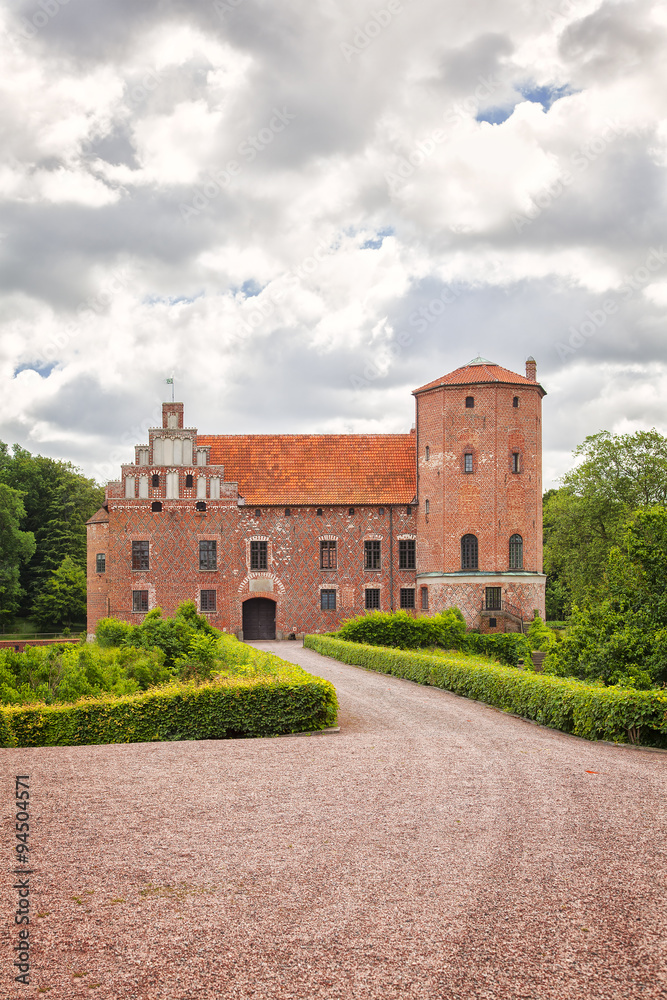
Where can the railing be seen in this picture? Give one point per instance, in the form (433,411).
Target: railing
(27,636)
(504,606)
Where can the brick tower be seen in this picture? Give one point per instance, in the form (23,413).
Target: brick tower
(479,490)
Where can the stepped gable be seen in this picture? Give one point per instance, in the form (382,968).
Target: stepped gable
(479,371)
(294,469)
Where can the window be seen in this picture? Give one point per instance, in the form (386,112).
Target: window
(100,562)
(189,481)
(351,511)
(493,598)
(207,600)
(140,600)
(156,506)
(258,557)
(328,600)
(467,462)
(427,453)
(372,598)
(288,511)
(515,401)
(408,510)
(515,461)
(470,402)
(139,555)
(427,506)
(407,597)
(424,596)
(381,511)
(200,506)
(155,482)
(327,555)
(516,552)
(258,512)
(372,554)
(319,512)
(469,552)
(208,555)
(406,553)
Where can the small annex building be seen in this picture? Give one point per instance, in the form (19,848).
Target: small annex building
(279,534)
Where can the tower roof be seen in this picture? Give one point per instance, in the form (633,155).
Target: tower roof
(479,371)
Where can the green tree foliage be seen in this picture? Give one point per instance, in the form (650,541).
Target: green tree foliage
(586,518)
(62,602)
(16,547)
(58,501)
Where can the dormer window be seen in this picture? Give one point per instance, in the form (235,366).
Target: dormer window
(470,402)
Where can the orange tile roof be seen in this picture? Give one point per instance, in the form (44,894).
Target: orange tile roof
(318,469)
(476,374)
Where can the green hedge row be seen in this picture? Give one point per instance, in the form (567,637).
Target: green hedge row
(592,711)
(290,701)
(446,630)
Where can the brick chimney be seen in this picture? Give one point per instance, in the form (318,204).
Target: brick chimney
(531,369)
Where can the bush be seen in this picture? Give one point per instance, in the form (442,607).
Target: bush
(540,635)
(279,698)
(446,630)
(615,646)
(591,711)
(64,673)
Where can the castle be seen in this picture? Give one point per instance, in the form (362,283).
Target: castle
(274,535)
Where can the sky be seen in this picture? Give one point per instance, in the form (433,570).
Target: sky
(302,211)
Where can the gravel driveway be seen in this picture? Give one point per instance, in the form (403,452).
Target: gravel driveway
(434,848)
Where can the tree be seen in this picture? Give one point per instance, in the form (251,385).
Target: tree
(62,602)
(585,519)
(16,547)
(58,501)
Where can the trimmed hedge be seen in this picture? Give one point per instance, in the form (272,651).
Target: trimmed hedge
(446,630)
(592,711)
(290,701)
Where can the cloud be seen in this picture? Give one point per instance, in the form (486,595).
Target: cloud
(307,209)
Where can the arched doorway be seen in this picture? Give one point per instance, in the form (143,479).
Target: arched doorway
(259,618)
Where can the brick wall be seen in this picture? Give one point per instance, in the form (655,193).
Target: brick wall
(293,575)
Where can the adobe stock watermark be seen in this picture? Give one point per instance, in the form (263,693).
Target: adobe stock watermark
(248,149)
(596,318)
(47,10)
(268,304)
(580,161)
(366,33)
(408,165)
(224,7)
(95,305)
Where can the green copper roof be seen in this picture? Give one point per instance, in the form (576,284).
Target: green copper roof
(479,361)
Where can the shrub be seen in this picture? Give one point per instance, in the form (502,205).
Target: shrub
(588,710)
(446,630)
(615,646)
(284,700)
(540,635)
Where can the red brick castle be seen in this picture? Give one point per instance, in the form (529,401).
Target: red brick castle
(273,534)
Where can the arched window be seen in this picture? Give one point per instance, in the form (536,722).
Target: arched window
(470,402)
(469,552)
(516,552)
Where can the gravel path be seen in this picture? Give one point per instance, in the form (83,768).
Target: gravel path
(434,848)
